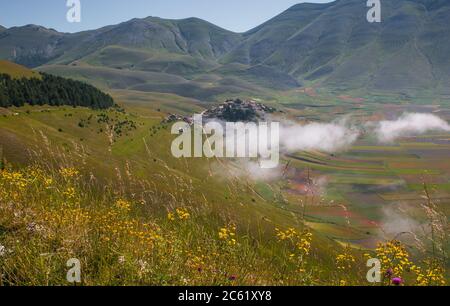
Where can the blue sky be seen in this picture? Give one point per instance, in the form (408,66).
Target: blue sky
(235,15)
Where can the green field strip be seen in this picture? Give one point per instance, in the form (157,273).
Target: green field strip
(413,196)
(334,168)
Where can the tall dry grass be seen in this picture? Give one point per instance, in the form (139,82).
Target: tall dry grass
(129,231)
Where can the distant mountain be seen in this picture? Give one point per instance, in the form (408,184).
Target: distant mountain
(151,54)
(34,45)
(335,45)
(29,45)
(326,45)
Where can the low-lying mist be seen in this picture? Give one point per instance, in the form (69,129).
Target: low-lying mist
(326,137)
(409,124)
(338,136)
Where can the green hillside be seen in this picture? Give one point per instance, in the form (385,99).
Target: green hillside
(192,37)
(334,46)
(136,160)
(125,172)
(17,71)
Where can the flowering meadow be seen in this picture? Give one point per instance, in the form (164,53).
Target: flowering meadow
(49,215)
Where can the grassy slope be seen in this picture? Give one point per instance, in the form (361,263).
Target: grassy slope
(397,55)
(359,167)
(24,130)
(17,71)
(256,209)
(34,127)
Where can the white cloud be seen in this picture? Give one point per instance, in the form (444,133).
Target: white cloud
(326,137)
(409,124)
(334,137)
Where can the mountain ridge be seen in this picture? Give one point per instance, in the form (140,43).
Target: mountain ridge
(327,45)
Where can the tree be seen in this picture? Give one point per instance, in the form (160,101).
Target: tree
(50,90)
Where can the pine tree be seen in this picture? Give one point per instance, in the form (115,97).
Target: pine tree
(51,90)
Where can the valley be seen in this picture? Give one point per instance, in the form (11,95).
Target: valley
(86,168)
(368,179)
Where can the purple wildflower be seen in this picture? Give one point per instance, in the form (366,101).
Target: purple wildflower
(397,281)
(389,273)
(232,277)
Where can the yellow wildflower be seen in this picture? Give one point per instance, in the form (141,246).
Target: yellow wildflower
(228,234)
(301,243)
(345,261)
(182,213)
(70,192)
(394,258)
(123,205)
(68,172)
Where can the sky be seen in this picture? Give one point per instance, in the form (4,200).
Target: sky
(234,15)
